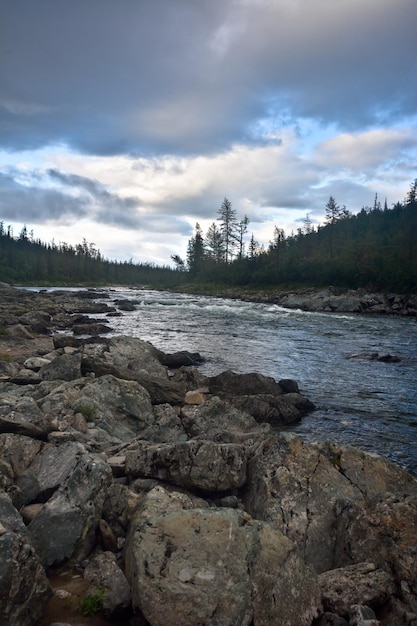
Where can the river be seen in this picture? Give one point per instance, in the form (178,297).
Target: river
(365,403)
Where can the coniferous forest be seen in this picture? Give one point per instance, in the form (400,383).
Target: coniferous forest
(375,249)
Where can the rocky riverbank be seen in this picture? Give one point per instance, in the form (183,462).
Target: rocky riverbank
(133,485)
(327,300)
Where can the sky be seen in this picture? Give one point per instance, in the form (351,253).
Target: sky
(125,122)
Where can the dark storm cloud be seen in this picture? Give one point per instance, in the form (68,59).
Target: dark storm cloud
(34,205)
(179,76)
(77,197)
(110,208)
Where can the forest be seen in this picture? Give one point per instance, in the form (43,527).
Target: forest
(375,249)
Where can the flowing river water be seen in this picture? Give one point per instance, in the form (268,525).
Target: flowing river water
(365,403)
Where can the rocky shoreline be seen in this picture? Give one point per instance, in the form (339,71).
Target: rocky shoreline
(133,485)
(326,300)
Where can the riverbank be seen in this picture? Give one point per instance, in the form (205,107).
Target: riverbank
(325,300)
(168,494)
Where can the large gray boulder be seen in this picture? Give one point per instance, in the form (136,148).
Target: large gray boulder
(62,367)
(48,471)
(215,566)
(119,409)
(103,573)
(218,420)
(65,527)
(125,353)
(193,464)
(279,403)
(24,587)
(363,583)
(317,495)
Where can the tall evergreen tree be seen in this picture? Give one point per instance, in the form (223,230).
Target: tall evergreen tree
(195,252)
(228,228)
(214,243)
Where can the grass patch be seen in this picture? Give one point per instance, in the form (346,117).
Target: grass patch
(87,409)
(92,602)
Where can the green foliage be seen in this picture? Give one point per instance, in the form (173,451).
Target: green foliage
(374,249)
(28,261)
(6,358)
(87,409)
(92,602)
(3,331)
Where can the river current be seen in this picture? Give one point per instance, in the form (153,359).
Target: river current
(365,403)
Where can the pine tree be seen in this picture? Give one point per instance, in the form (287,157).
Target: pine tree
(228,228)
(214,244)
(195,252)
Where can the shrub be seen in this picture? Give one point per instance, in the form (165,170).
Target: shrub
(92,602)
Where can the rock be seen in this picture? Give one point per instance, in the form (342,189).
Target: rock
(218,420)
(206,566)
(179,359)
(362,583)
(103,573)
(362,616)
(29,512)
(279,411)
(52,466)
(35,363)
(24,587)
(121,409)
(194,397)
(194,464)
(19,451)
(65,527)
(108,538)
(91,329)
(262,397)
(25,377)
(340,505)
(23,428)
(243,384)
(285,488)
(63,367)
(125,305)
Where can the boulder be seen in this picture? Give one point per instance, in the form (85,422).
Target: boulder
(51,467)
(19,451)
(180,359)
(337,504)
(279,411)
(217,420)
(65,528)
(234,384)
(63,367)
(262,397)
(121,409)
(193,464)
(215,566)
(301,493)
(91,329)
(24,587)
(362,583)
(35,363)
(104,574)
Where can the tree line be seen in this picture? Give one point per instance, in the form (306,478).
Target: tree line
(26,260)
(375,248)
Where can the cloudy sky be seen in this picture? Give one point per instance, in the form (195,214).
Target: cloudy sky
(127,121)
